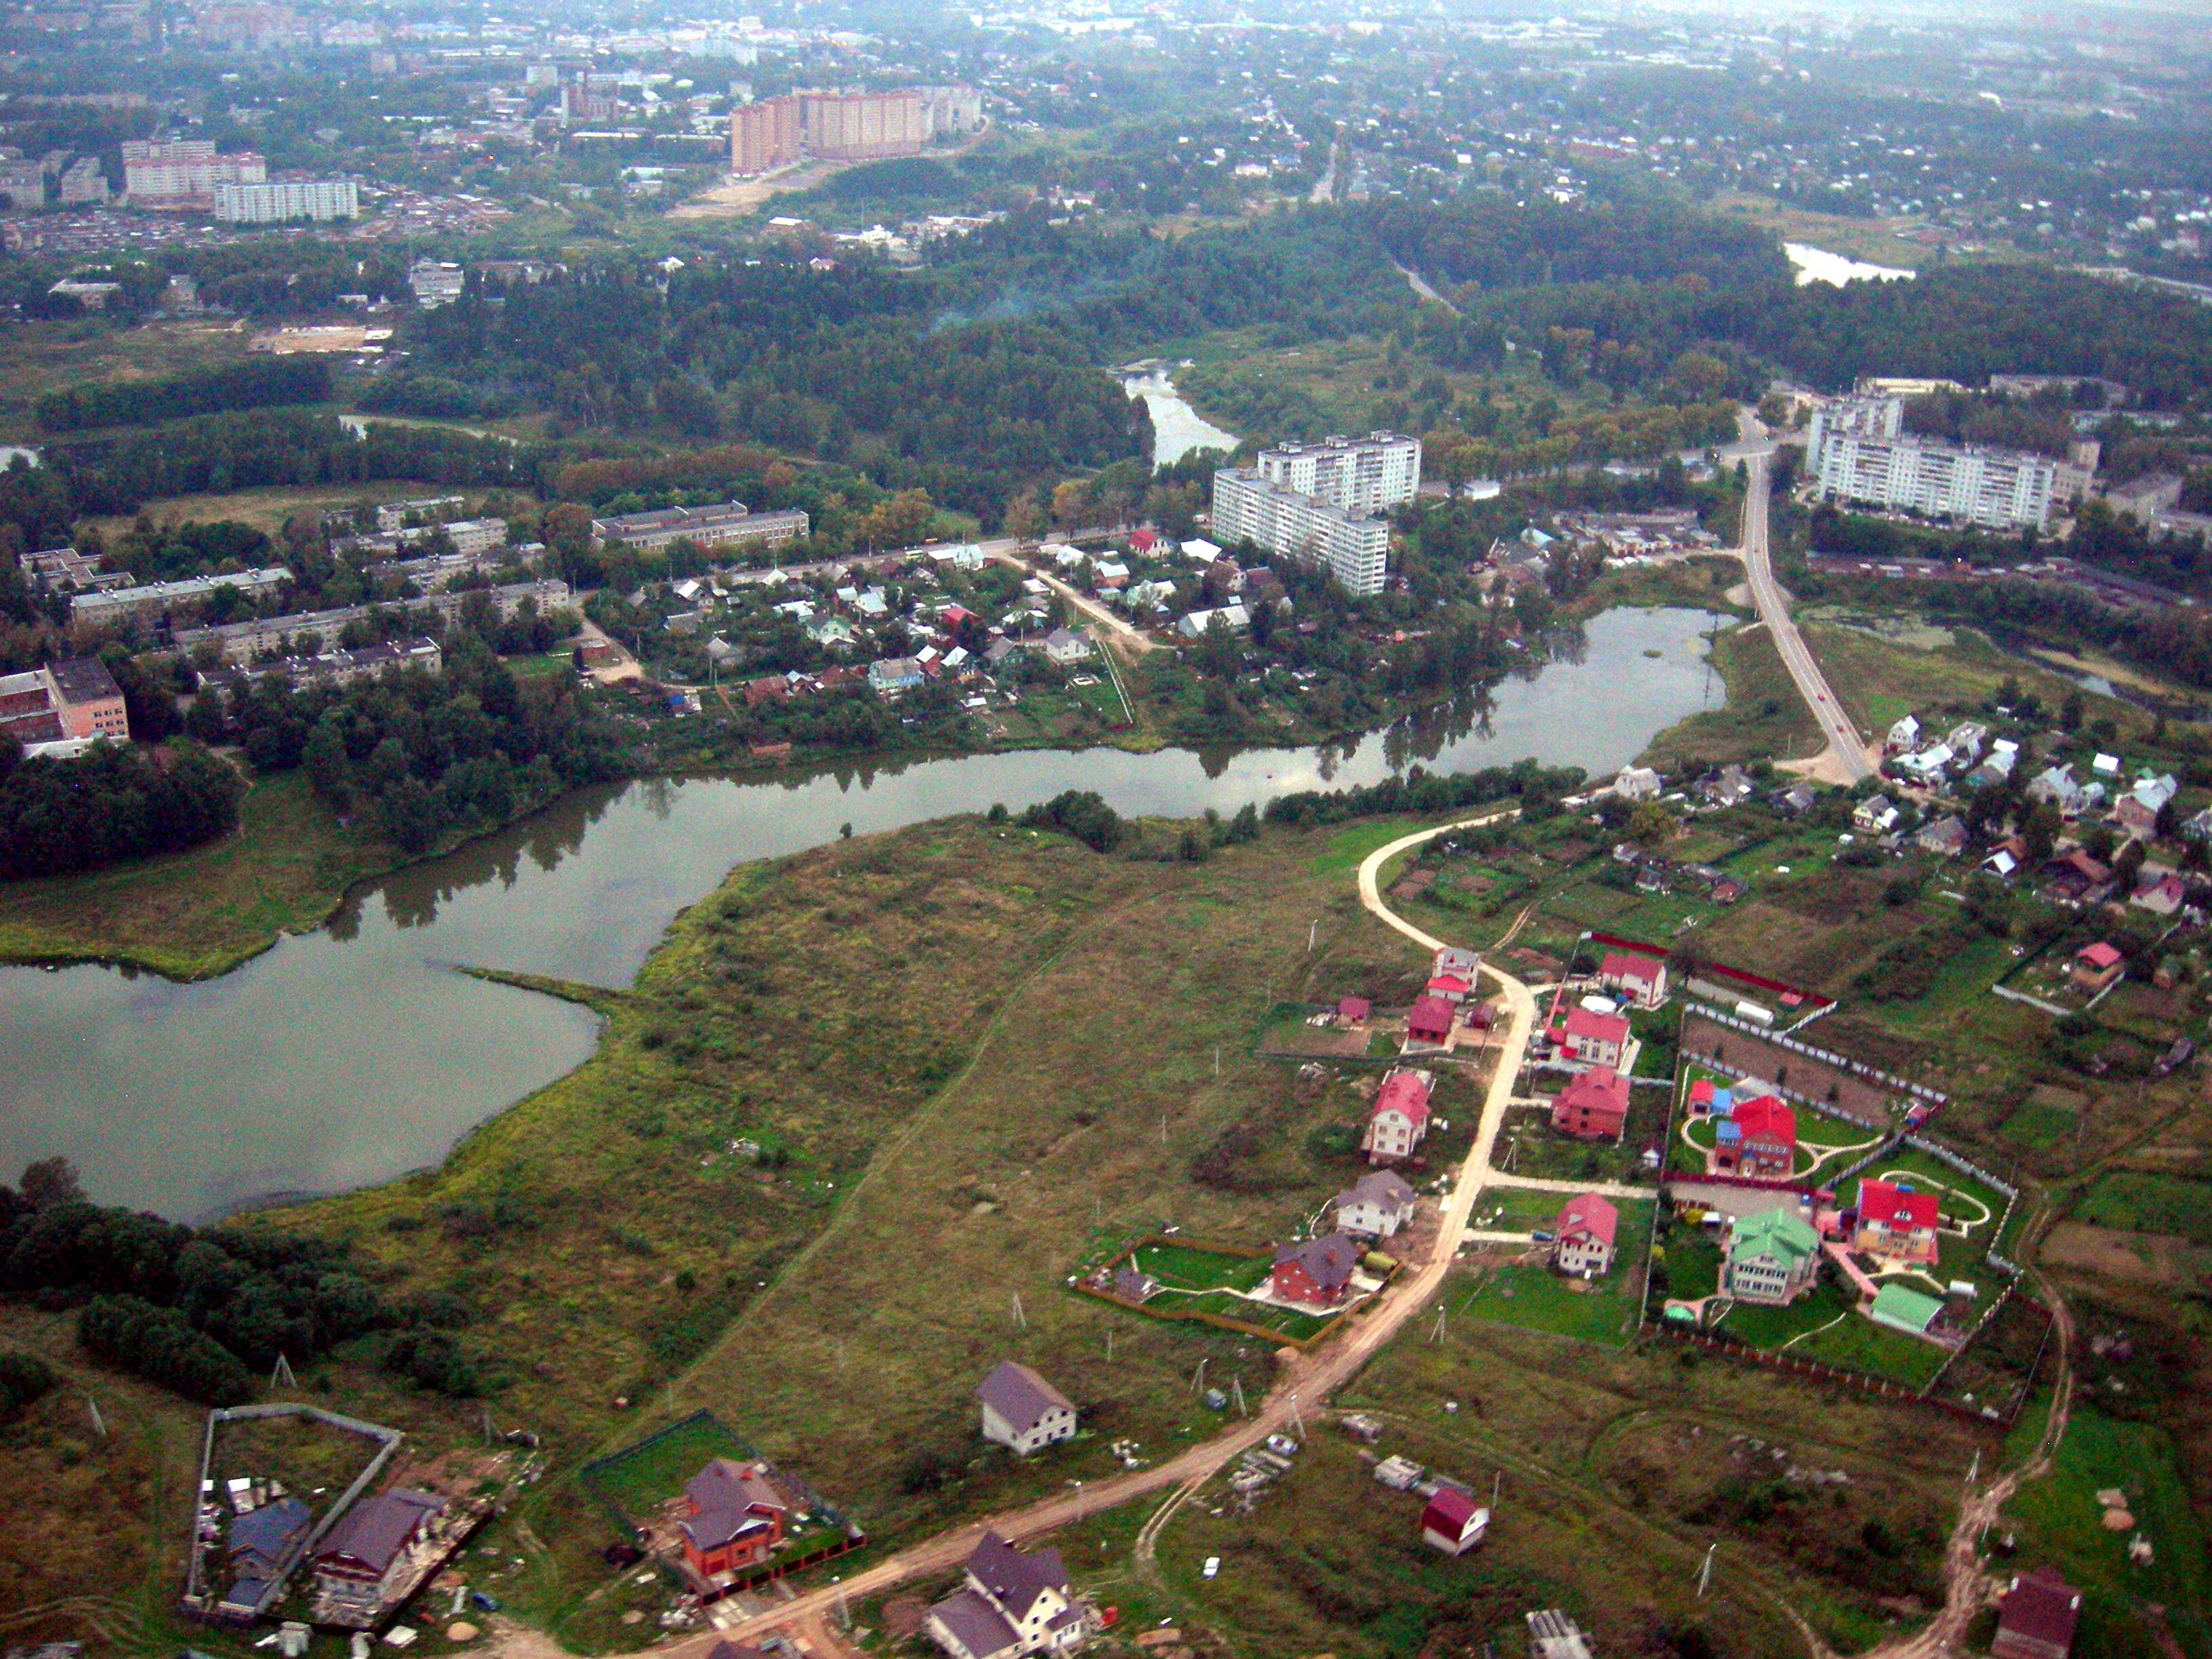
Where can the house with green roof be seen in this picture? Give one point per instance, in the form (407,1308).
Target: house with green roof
(1772,1258)
(1904,1309)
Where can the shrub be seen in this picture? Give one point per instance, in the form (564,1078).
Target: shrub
(159,1344)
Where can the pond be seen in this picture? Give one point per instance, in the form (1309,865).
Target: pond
(355,1053)
(1177,428)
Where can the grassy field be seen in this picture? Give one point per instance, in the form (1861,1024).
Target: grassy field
(193,914)
(266,510)
(1878,680)
(39,357)
(2141,1201)
(1764,717)
(638,1480)
(1530,1295)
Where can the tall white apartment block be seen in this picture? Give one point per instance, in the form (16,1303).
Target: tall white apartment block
(1317,503)
(1362,475)
(1350,546)
(274,202)
(1857,451)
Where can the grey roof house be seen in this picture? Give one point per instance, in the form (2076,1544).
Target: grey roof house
(1011,1604)
(1023,1411)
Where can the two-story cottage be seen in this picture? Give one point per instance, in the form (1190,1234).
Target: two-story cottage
(1316,1272)
(1430,1020)
(1376,1204)
(1583,1237)
(362,1558)
(1772,1258)
(1014,1602)
(1895,1221)
(1595,1039)
(1758,1138)
(736,1513)
(1022,1410)
(1593,1106)
(1399,1117)
(1642,979)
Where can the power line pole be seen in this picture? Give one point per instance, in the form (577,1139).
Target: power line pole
(1705,1572)
(1020,1319)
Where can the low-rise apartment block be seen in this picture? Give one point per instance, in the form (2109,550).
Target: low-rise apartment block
(57,701)
(728,524)
(152,601)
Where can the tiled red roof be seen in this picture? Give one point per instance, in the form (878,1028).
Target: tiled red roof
(2042,1607)
(1895,1206)
(1402,1092)
(1767,1118)
(2100,956)
(1603,1027)
(1588,1213)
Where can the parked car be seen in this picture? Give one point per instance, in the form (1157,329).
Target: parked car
(1282,1445)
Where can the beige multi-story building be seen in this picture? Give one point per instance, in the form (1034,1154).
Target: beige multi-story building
(184,173)
(846,126)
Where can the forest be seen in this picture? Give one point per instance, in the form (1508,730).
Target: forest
(110,804)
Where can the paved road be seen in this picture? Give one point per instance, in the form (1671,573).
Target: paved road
(1844,760)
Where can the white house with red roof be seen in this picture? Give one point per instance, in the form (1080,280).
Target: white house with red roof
(1449,987)
(1895,1221)
(1593,1106)
(1399,1117)
(1582,1236)
(1594,1038)
(1758,1138)
(1642,979)
(1453,1521)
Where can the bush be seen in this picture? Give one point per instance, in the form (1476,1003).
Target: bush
(159,1344)
(24,1379)
(1080,813)
(433,1360)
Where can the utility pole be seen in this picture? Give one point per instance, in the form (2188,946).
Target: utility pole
(1110,1345)
(1018,1318)
(99,1426)
(1197,1381)
(1237,1383)
(1705,1572)
(1311,928)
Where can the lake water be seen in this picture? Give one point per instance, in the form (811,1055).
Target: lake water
(354,1054)
(1816,264)
(1176,426)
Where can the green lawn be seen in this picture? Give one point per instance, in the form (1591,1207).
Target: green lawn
(1349,846)
(1770,1328)
(2139,1202)
(2040,1126)
(2062,1512)
(1537,1298)
(641,1478)
(1180,1267)
(1860,1344)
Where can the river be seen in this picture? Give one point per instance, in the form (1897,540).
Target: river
(1177,428)
(355,1054)
(1817,264)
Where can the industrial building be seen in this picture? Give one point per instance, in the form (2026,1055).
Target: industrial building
(727,524)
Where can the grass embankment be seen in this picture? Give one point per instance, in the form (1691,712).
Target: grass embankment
(195,914)
(1763,719)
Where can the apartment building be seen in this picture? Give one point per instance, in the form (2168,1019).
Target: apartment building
(57,702)
(275,201)
(846,126)
(1858,452)
(1317,503)
(152,601)
(727,524)
(183,173)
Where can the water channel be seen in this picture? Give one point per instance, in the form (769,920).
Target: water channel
(1177,428)
(1817,264)
(354,1054)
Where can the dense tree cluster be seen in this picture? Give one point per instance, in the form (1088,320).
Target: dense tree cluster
(1427,794)
(472,745)
(110,804)
(254,384)
(1082,813)
(200,1310)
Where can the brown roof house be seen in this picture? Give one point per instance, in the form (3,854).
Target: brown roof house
(2036,1617)
(364,1557)
(1023,1411)
(1011,1604)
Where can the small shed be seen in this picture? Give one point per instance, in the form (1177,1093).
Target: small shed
(1453,1522)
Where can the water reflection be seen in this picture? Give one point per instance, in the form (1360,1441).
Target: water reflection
(355,1054)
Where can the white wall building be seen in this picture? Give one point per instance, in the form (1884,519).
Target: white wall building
(1361,475)
(1350,546)
(1858,452)
(273,203)
(185,172)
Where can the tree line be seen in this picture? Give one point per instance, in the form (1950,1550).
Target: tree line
(112,803)
(200,1310)
(254,384)
(1538,788)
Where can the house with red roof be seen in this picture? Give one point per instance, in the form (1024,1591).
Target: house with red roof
(1701,1097)
(735,1514)
(1353,1011)
(1582,1236)
(1593,1106)
(1450,988)
(1399,1117)
(1453,1522)
(1429,1020)
(2096,966)
(1758,1138)
(1642,979)
(1895,1221)
(1316,1272)
(2036,1617)
(1594,1038)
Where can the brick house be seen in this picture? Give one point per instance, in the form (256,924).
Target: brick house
(1594,1038)
(1758,1138)
(1642,979)
(76,698)
(1582,1236)
(1316,1272)
(2036,1617)
(1593,1106)
(1022,1410)
(1012,1602)
(1399,1118)
(1895,1221)
(365,1555)
(1376,1204)
(736,1514)
(1772,1258)
(1452,1522)
(1429,1020)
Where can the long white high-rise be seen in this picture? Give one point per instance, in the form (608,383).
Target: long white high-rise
(1317,503)
(1858,451)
